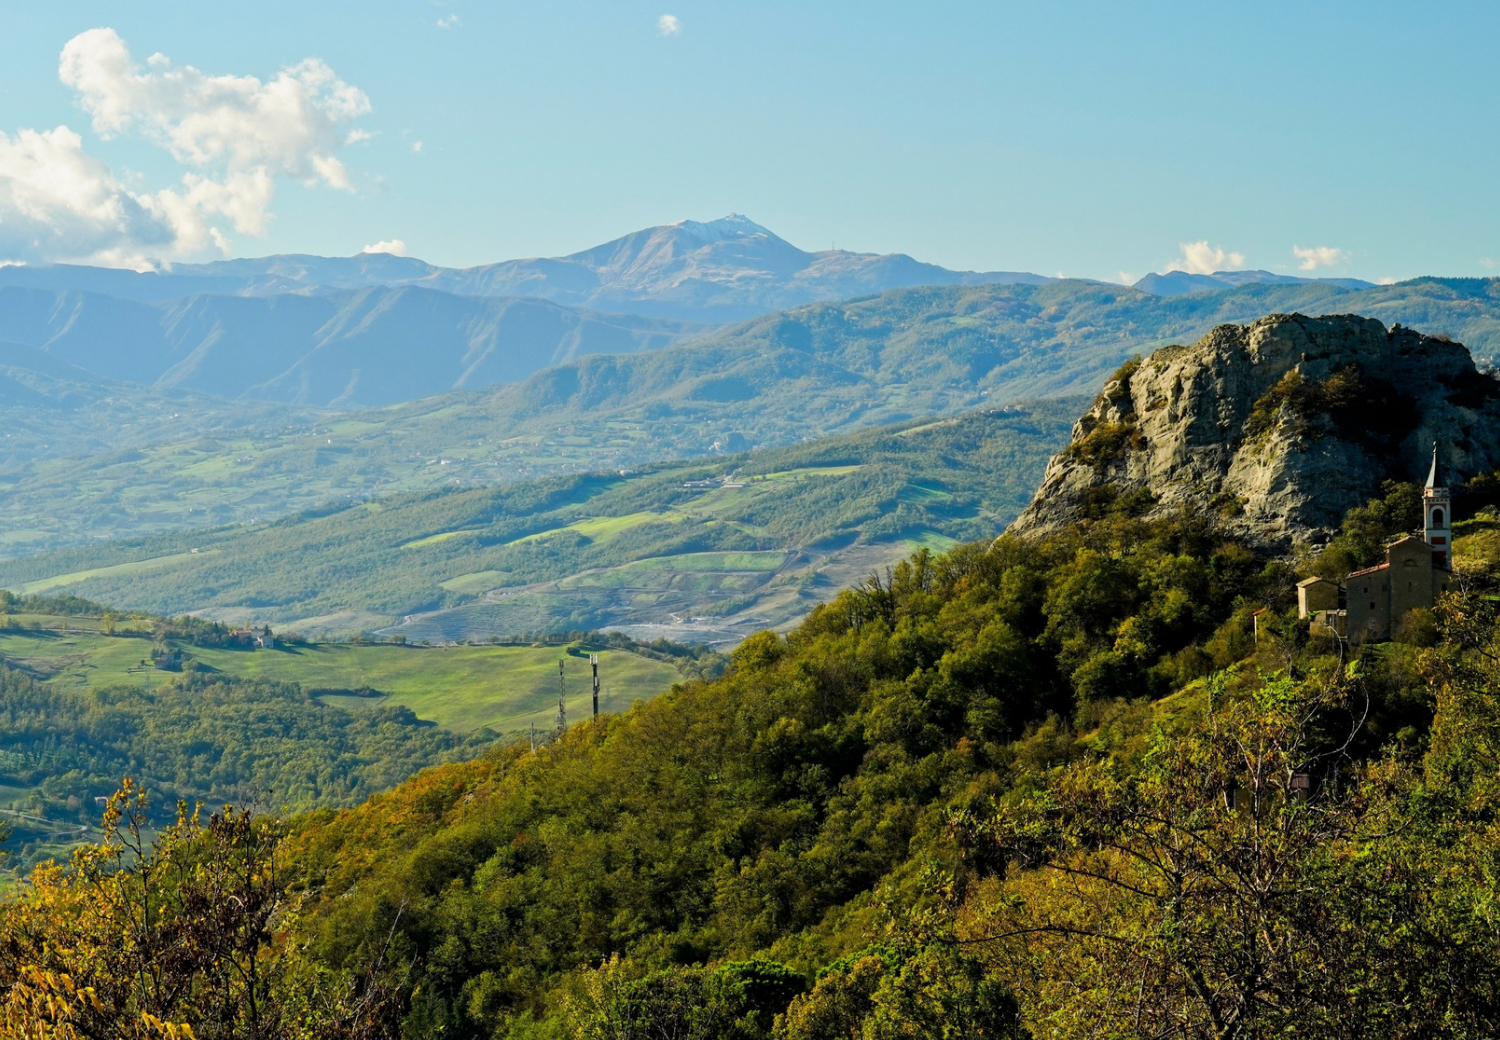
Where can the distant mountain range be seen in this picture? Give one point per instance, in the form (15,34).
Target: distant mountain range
(376,329)
(339,348)
(721,271)
(1181,283)
(107,459)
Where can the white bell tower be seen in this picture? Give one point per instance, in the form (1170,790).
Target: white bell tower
(1437,515)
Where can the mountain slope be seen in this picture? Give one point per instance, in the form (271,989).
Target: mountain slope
(368,347)
(584,551)
(1280,427)
(815,371)
(723,270)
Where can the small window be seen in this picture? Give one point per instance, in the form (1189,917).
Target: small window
(1437,518)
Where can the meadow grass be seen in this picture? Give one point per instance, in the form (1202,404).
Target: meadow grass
(432,539)
(156,563)
(810,471)
(459,687)
(931,541)
(603,528)
(479,581)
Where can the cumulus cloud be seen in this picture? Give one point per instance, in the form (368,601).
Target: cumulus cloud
(290,125)
(416,147)
(448,22)
(57,200)
(668,25)
(235,134)
(1314,257)
(393,246)
(1201,258)
(1486,262)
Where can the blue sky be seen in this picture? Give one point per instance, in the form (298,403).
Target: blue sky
(1090,139)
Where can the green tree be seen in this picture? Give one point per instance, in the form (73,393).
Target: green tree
(734,1001)
(1248,880)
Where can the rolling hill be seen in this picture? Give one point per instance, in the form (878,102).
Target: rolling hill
(815,371)
(88,696)
(740,543)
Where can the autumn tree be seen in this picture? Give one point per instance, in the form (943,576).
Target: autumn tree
(187,935)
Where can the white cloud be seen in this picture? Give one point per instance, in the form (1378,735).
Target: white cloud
(236,134)
(56,200)
(416,147)
(290,125)
(1387,280)
(1125,278)
(448,22)
(1486,262)
(1315,257)
(668,25)
(394,246)
(1201,258)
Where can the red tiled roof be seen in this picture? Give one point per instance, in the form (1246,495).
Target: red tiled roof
(1371,570)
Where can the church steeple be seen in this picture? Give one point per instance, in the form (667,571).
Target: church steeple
(1437,511)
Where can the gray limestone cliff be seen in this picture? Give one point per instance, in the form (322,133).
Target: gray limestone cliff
(1275,428)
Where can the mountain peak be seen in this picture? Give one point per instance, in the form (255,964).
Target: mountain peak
(732,226)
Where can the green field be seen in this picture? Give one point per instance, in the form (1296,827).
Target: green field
(145,464)
(461,688)
(753,540)
(120,570)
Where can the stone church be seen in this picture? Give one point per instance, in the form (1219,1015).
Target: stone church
(1372,602)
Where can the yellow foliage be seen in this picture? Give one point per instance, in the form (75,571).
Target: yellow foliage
(183,937)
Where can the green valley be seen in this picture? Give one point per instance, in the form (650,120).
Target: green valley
(815,371)
(706,550)
(460,688)
(89,696)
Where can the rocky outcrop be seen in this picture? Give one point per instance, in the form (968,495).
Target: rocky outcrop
(1277,428)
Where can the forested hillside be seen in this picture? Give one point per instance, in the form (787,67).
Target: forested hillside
(579,552)
(197,711)
(1100,780)
(811,372)
(215,738)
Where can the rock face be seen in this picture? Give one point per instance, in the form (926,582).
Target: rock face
(1277,427)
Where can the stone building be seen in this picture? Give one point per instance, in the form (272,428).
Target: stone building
(1372,602)
(1323,601)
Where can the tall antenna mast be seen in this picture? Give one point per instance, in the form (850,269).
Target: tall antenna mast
(533,736)
(594,662)
(562,692)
